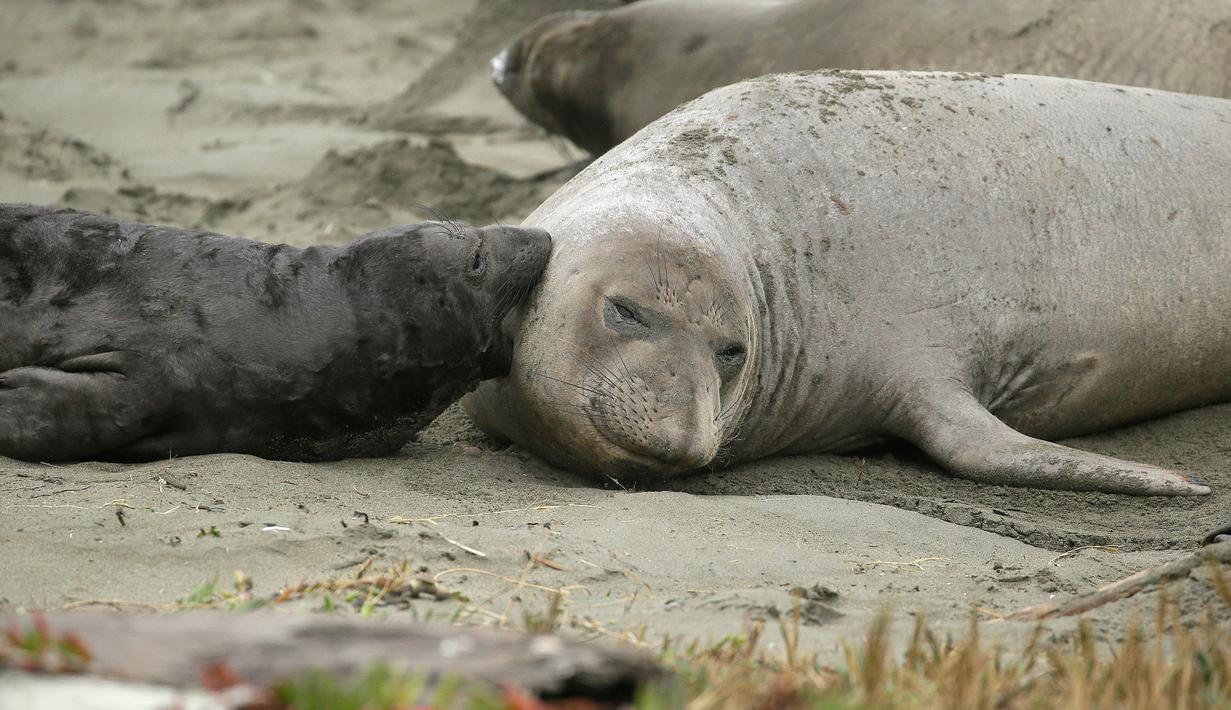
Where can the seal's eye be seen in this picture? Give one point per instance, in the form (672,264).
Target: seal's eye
(731,358)
(478,263)
(626,313)
(624,319)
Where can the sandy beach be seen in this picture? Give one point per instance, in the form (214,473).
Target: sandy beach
(306,121)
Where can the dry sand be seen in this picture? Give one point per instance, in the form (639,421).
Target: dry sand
(315,120)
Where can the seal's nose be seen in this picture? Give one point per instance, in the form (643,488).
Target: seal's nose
(535,241)
(686,440)
(687,447)
(506,65)
(523,250)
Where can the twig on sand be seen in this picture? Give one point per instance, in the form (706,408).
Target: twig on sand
(510,580)
(115,603)
(1114,549)
(118,503)
(431,520)
(1215,555)
(917,564)
(467,548)
(63,490)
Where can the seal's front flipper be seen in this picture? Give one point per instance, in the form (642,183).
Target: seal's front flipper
(1217,535)
(69,413)
(946,421)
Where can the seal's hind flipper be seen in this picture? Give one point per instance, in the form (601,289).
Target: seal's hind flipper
(78,412)
(957,431)
(1217,535)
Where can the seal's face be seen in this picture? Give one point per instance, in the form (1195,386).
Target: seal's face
(488,271)
(637,361)
(462,285)
(550,75)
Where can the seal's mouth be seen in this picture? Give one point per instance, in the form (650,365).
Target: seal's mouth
(630,463)
(497,359)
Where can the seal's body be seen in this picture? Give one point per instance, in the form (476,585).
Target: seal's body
(131,341)
(598,77)
(811,262)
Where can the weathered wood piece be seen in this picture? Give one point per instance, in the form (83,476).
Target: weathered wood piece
(264,648)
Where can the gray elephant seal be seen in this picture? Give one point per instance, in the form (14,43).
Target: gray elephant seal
(598,77)
(131,341)
(813,262)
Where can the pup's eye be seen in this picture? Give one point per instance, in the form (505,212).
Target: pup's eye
(626,313)
(478,263)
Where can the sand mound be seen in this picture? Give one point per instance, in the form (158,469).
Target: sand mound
(41,153)
(145,203)
(424,178)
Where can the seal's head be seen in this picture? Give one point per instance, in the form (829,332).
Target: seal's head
(456,287)
(633,361)
(551,74)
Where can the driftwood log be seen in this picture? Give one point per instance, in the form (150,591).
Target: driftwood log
(263,648)
(1216,552)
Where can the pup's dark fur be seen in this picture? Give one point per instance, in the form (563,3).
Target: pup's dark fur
(130,341)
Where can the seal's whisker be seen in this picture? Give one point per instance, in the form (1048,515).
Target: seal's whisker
(615,346)
(579,388)
(594,364)
(509,294)
(609,378)
(453,227)
(649,265)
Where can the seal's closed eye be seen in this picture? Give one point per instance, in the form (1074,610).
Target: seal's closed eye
(623,318)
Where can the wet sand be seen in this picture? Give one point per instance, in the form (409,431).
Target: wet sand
(316,120)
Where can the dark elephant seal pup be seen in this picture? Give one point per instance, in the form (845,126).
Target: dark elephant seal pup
(132,341)
(813,262)
(598,77)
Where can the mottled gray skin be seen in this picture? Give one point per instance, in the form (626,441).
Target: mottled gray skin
(598,77)
(816,262)
(127,341)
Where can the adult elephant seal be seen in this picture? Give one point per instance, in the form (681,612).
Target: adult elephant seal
(813,262)
(131,341)
(598,77)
